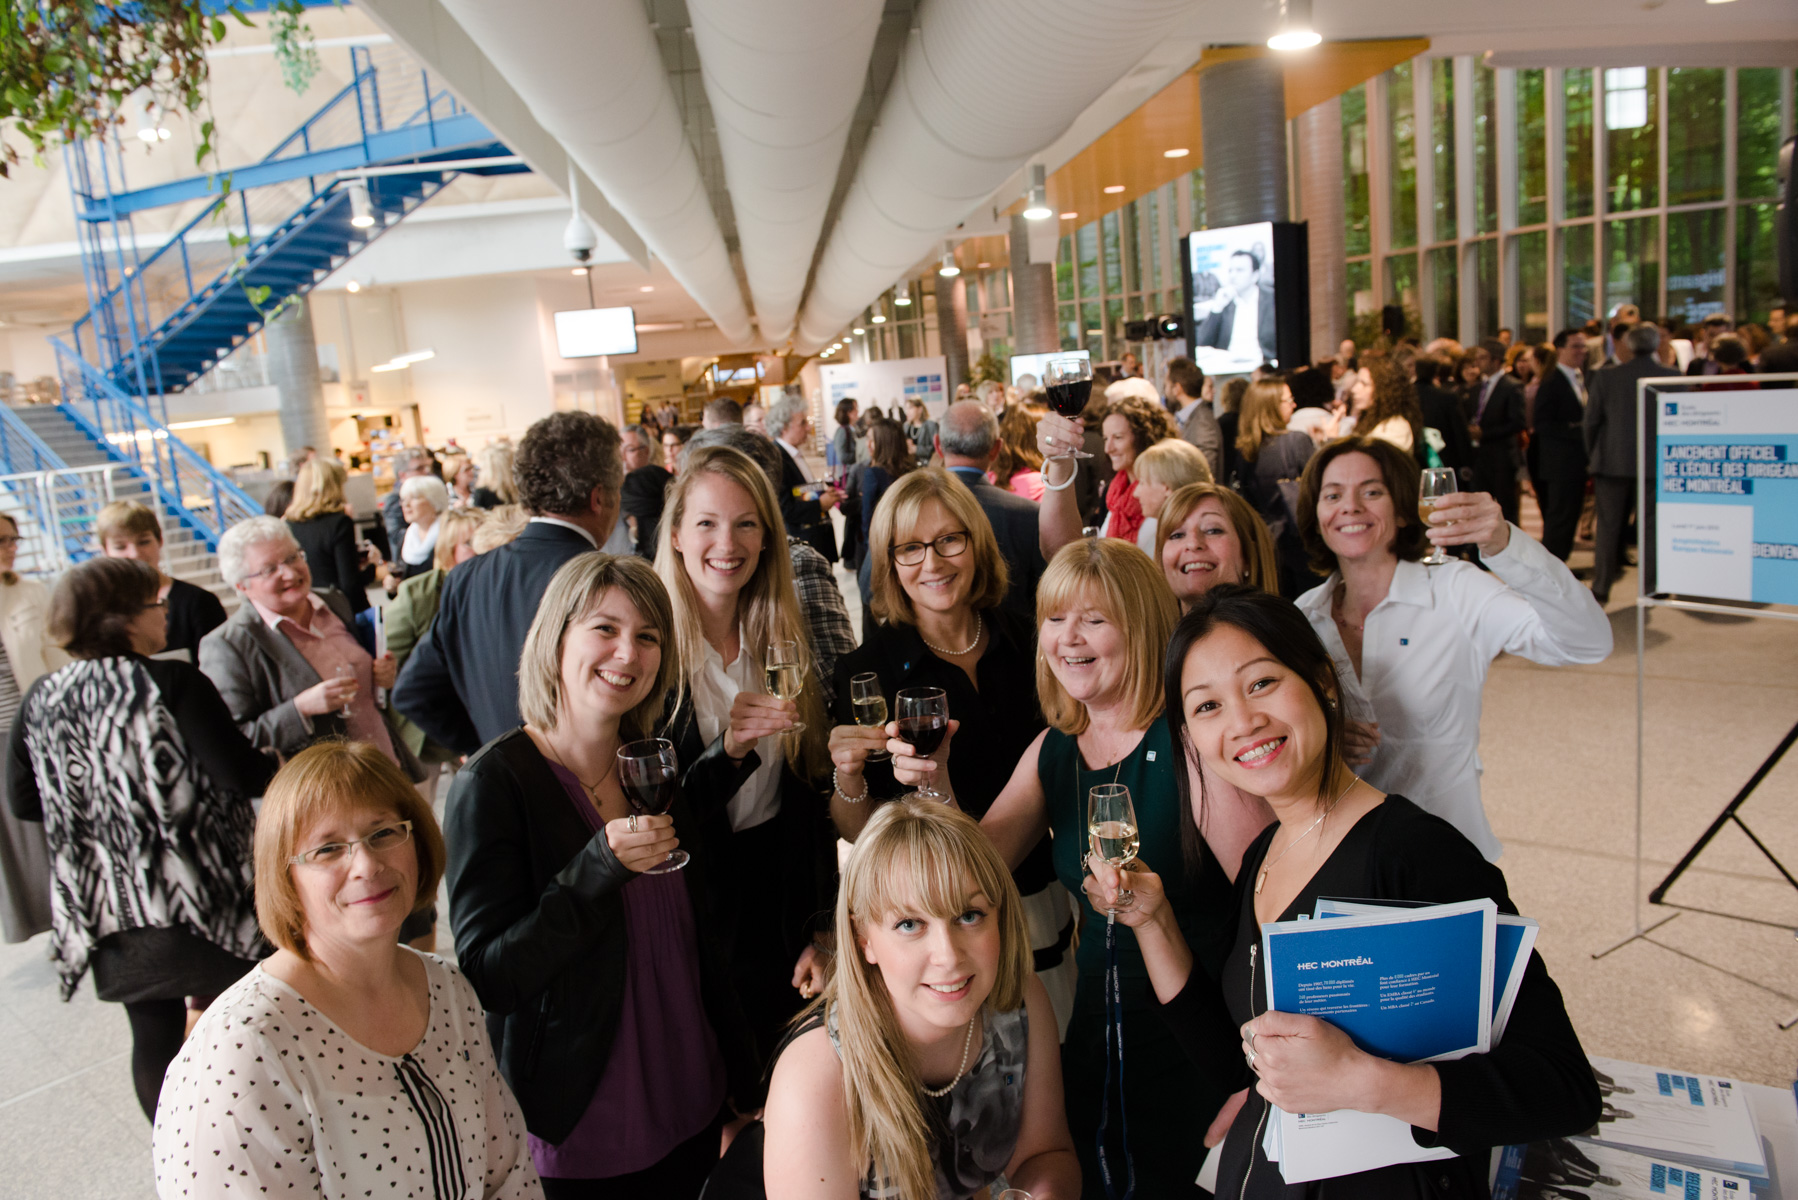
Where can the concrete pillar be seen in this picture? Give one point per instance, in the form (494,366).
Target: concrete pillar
(952,330)
(1242,111)
(1321,206)
(293,367)
(1033,320)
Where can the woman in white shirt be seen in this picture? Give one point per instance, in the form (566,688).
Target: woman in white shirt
(1413,643)
(722,552)
(347,1062)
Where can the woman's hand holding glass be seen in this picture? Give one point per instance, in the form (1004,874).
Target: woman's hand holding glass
(851,746)
(1108,887)
(1058,436)
(754,716)
(1359,740)
(914,771)
(641,841)
(1476,519)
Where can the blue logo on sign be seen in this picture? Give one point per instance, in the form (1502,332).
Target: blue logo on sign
(1672,408)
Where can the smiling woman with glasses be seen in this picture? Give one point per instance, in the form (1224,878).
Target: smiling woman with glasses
(344,1059)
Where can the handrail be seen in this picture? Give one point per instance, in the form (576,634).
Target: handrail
(356,78)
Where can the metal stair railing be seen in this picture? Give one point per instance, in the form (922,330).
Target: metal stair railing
(195,491)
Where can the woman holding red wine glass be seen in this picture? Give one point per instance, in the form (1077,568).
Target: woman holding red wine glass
(618,1025)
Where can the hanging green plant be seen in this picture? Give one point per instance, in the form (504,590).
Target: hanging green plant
(69,69)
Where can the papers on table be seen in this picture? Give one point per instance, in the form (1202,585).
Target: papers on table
(1560,1168)
(1699,1120)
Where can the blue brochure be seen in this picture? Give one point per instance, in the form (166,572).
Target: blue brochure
(1408,984)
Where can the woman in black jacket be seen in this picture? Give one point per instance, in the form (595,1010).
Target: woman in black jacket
(615,1022)
(1252,696)
(322,526)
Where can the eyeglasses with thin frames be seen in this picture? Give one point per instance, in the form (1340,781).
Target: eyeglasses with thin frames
(950,545)
(387,837)
(292,560)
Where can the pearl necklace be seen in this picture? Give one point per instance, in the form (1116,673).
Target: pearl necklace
(1261,879)
(967,1043)
(979,628)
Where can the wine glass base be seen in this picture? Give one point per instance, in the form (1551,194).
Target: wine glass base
(674,862)
(880,755)
(796,727)
(1437,559)
(1074,454)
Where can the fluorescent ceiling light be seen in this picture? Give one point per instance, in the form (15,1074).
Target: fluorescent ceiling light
(1114,189)
(1177,152)
(1069,216)
(880,318)
(205,424)
(415,356)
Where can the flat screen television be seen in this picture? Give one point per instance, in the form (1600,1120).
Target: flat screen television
(591,332)
(1032,365)
(1247,297)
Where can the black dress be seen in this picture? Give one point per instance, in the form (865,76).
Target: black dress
(1281,459)
(330,545)
(1537,1084)
(194,612)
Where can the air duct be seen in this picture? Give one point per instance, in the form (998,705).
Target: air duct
(592,75)
(783,78)
(960,120)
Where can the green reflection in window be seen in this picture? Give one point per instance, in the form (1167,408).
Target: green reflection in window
(1632,264)
(1087,241)
(1532,281)
(1068,322)
(1092,331)
(1360,297)
(1156,238)
(1578,287)
(1114,327)
(1485,319)
(1442,147)
(1485,147)
(1198,198)
(1757,132)
(1064,270)
(1694,136)
(1132,236)
(1632,138)
(1357,238)
(1532,147)
(1400,103)
(1757,264)
(1114,263)
(1445,311)
(1401,280)
(1694,263)
(1577,191)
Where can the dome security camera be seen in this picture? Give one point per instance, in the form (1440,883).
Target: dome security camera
(580,238)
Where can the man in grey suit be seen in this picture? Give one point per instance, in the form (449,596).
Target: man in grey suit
(1198,425)
(1610,428)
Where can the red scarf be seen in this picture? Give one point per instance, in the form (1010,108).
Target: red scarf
(1126,511)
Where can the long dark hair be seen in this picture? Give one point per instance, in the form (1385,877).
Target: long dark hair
(1285,633)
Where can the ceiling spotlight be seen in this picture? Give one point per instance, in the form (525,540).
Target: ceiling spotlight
(150,128)
(1069,216)
(362,213)
(1114,189)
(579,271)
(902,295)
(1038,209)
(859,330)
(947,268)
(1177,152)
(881,318)
(1294,31)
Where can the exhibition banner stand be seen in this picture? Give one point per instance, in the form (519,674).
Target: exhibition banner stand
(888,382)
(1717,521)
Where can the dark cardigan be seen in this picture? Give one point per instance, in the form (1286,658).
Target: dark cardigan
(540,932)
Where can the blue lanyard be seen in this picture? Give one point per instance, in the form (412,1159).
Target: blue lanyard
(1114,1034)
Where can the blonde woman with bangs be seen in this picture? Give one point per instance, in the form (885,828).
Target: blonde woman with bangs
(928,1068)
(619,1029)
(1161,470)
(1104,615)
(319,518)
(722,554)
(1210,535)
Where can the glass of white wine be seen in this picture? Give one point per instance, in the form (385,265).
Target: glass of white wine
(870,705)
(783,676)
(1437,482)
(1111,832)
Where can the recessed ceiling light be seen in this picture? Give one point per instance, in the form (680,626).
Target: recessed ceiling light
(1114,189)
(648,287)
(859,329)
(983,266)
(1177,152)
(1069,216)
(579,271)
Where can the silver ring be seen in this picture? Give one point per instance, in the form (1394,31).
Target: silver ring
(1250,1056)
(1251,1041)
(631,823)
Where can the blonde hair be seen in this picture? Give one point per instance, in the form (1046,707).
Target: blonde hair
(895,518)
(500,526)
(458,530)
(913,855)
(1116,578)
(1260,567)
(1172,463)
(317,490)
(768,604)
(452,467)
(125,519)
(1260,417)
(327,778)
(494,463)
(576,588)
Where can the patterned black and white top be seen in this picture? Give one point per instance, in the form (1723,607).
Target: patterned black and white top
(270,1097)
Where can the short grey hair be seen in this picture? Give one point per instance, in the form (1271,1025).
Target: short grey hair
(240,537)
(428,488)
(968,430)
(759,448)
(782,411)
(1643,339)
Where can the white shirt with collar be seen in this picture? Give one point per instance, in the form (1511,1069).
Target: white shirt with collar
(618,543)
(715,687)
(1576,379)
(1245,333)
(805,472)
(1425,653)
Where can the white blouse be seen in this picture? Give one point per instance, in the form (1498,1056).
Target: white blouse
(1425,652)
(269,1096)
(715,688)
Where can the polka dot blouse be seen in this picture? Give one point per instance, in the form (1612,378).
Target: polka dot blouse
(269,1098)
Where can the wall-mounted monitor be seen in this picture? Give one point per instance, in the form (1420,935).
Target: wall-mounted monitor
(1032,365)
(590,332)
(1247,297)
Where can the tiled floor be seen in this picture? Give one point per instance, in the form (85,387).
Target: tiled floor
(1705,992)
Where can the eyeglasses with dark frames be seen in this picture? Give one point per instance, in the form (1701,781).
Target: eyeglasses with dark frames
(949,545)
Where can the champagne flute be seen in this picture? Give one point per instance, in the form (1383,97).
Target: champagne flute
(1068,385)
(1437,483)
(346,671)
(870,705)
(1111,832)
(924,722)
(648,771)
(783,675)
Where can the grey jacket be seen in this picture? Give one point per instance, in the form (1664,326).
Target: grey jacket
(1202,431)
(1611,415)
(259,673)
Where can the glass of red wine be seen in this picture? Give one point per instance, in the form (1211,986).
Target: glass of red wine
(923,714)
(1068,383)
(648,772)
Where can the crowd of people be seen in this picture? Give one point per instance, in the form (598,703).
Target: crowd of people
(629,649)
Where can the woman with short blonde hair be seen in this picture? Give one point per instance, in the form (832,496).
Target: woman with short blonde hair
(320,522)
(1160,470)
(494,483)
(317,490)
(1209,536)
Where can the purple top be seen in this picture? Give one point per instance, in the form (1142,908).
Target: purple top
(665,1080)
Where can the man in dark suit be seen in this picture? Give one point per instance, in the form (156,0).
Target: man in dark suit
(968,439)
(1228,309)
(804,504)
(1497,420)
(1612,414)
(1560,446)
(461,684)
(1442,412)
(1197,423)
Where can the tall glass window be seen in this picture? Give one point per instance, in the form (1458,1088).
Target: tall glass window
(1757,264)
(1576,198)
(1400,103)
(1485,147)
(1532,147)
(1442,148)
(1360,290)
(1354,171)
(1632,138)
(1578,282)
(1532,277)
(1087,242)
(1486,266)
(1695,272)
(1632,270)
(1198,199)
(1114,263)
(1401,282)
(1064,270)
(1757,133)
(1694,136)
(1445,320)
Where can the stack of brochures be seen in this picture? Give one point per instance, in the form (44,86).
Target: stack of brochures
(1413,984)
(1560,1168)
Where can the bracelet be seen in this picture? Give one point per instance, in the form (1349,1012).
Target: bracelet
(847,798)
(1065,484)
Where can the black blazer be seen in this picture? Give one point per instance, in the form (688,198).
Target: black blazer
(1014,519)
(806,519)
(461,684)
(1557,435)
(1499,426)
(194,612)
(330,545)
(1442,412)
(540,932)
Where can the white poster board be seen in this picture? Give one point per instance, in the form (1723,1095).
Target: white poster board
(888,383)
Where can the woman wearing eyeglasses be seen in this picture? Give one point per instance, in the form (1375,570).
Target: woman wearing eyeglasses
(143,786)
(345,1063)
